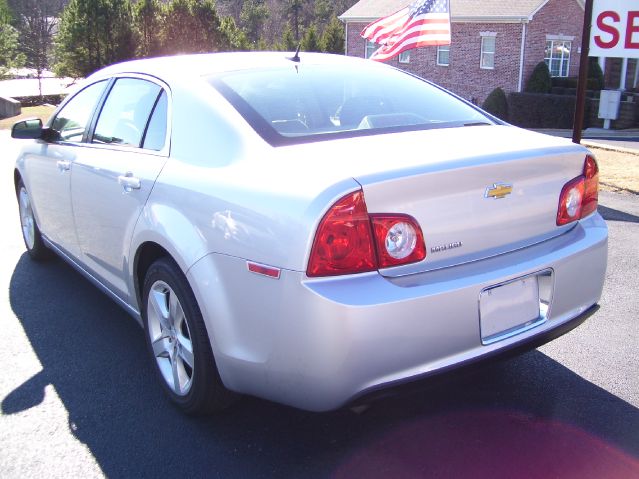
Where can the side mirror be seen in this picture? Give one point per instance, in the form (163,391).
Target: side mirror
(32,129)
(29,129)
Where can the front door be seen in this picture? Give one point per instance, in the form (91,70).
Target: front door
(49,168)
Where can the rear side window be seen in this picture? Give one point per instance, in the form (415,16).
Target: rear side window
(73,119)
(155,136)
(126,112)
(313,102)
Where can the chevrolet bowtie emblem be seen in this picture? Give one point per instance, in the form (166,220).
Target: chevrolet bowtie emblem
(498,191)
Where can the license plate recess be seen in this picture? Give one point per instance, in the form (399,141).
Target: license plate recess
(509,309)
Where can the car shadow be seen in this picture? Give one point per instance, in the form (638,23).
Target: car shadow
(611,214)
(524,417)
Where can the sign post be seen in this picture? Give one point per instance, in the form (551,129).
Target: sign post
(580,102)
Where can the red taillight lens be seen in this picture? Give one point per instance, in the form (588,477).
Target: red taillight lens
(579,197)
(591,193)
(399,240)
(344,242)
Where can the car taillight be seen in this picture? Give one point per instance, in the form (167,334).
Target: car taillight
(350,241)
(399,240)
(343,242)
(580,196)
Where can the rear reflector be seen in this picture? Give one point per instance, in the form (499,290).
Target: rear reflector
(264,270)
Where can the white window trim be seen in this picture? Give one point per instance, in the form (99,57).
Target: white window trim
(482,52)
(565,39)
(560,38)
(437,56)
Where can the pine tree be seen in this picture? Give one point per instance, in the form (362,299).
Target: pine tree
(192,26)
(333,37)
(310,41)
(252,17)
(93,34)
(147,19)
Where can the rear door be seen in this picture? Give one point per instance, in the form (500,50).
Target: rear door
(113,178)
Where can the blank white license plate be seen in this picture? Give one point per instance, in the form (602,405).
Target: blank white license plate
(508,308)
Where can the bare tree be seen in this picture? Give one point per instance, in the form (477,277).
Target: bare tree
(37,24)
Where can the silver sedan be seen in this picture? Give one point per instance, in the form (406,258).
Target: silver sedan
(309,228)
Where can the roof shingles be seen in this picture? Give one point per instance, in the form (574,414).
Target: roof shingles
(460,9)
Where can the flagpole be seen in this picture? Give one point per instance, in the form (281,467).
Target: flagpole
(580,101)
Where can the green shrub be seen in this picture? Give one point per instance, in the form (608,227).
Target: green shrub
(540,80)
(595,76)
(497,104)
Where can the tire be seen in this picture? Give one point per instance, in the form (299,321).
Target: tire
(178,342)
(30,232)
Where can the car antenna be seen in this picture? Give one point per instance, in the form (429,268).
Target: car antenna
(296,58)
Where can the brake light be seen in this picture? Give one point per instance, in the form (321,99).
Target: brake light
(345,243)
(580,196)
(591,187)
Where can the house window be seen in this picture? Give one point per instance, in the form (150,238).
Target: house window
(557,57)
(404,57)
(487,60)
(371,47)
(443,55)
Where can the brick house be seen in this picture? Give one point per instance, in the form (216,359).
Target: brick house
(494,43)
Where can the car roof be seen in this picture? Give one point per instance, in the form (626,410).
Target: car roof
(210,64)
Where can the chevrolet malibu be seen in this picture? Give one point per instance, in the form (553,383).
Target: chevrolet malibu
(309,228)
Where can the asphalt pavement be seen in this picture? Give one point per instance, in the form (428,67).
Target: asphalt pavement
(78,397)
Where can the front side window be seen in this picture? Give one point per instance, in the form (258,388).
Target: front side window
(443,55)
(73,119)
(487,52)
(126,111)
(315,102)
(557,57)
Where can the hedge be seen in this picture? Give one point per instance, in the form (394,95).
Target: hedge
(572,82)
(536,110)
(40,100)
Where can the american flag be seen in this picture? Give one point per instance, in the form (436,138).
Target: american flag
(422,23)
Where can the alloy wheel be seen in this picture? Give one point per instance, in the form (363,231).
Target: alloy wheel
(26,218)
(170,338)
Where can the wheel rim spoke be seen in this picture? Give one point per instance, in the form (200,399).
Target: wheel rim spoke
(185,350)
(177,384)
(158,301)
(176,313)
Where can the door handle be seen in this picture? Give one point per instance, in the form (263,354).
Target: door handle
(63,165)
(129,182)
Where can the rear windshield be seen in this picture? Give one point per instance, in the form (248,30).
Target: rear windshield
(301,103)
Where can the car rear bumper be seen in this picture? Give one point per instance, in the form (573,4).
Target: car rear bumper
(318,343)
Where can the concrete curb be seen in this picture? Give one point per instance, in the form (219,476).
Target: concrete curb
(604,146)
